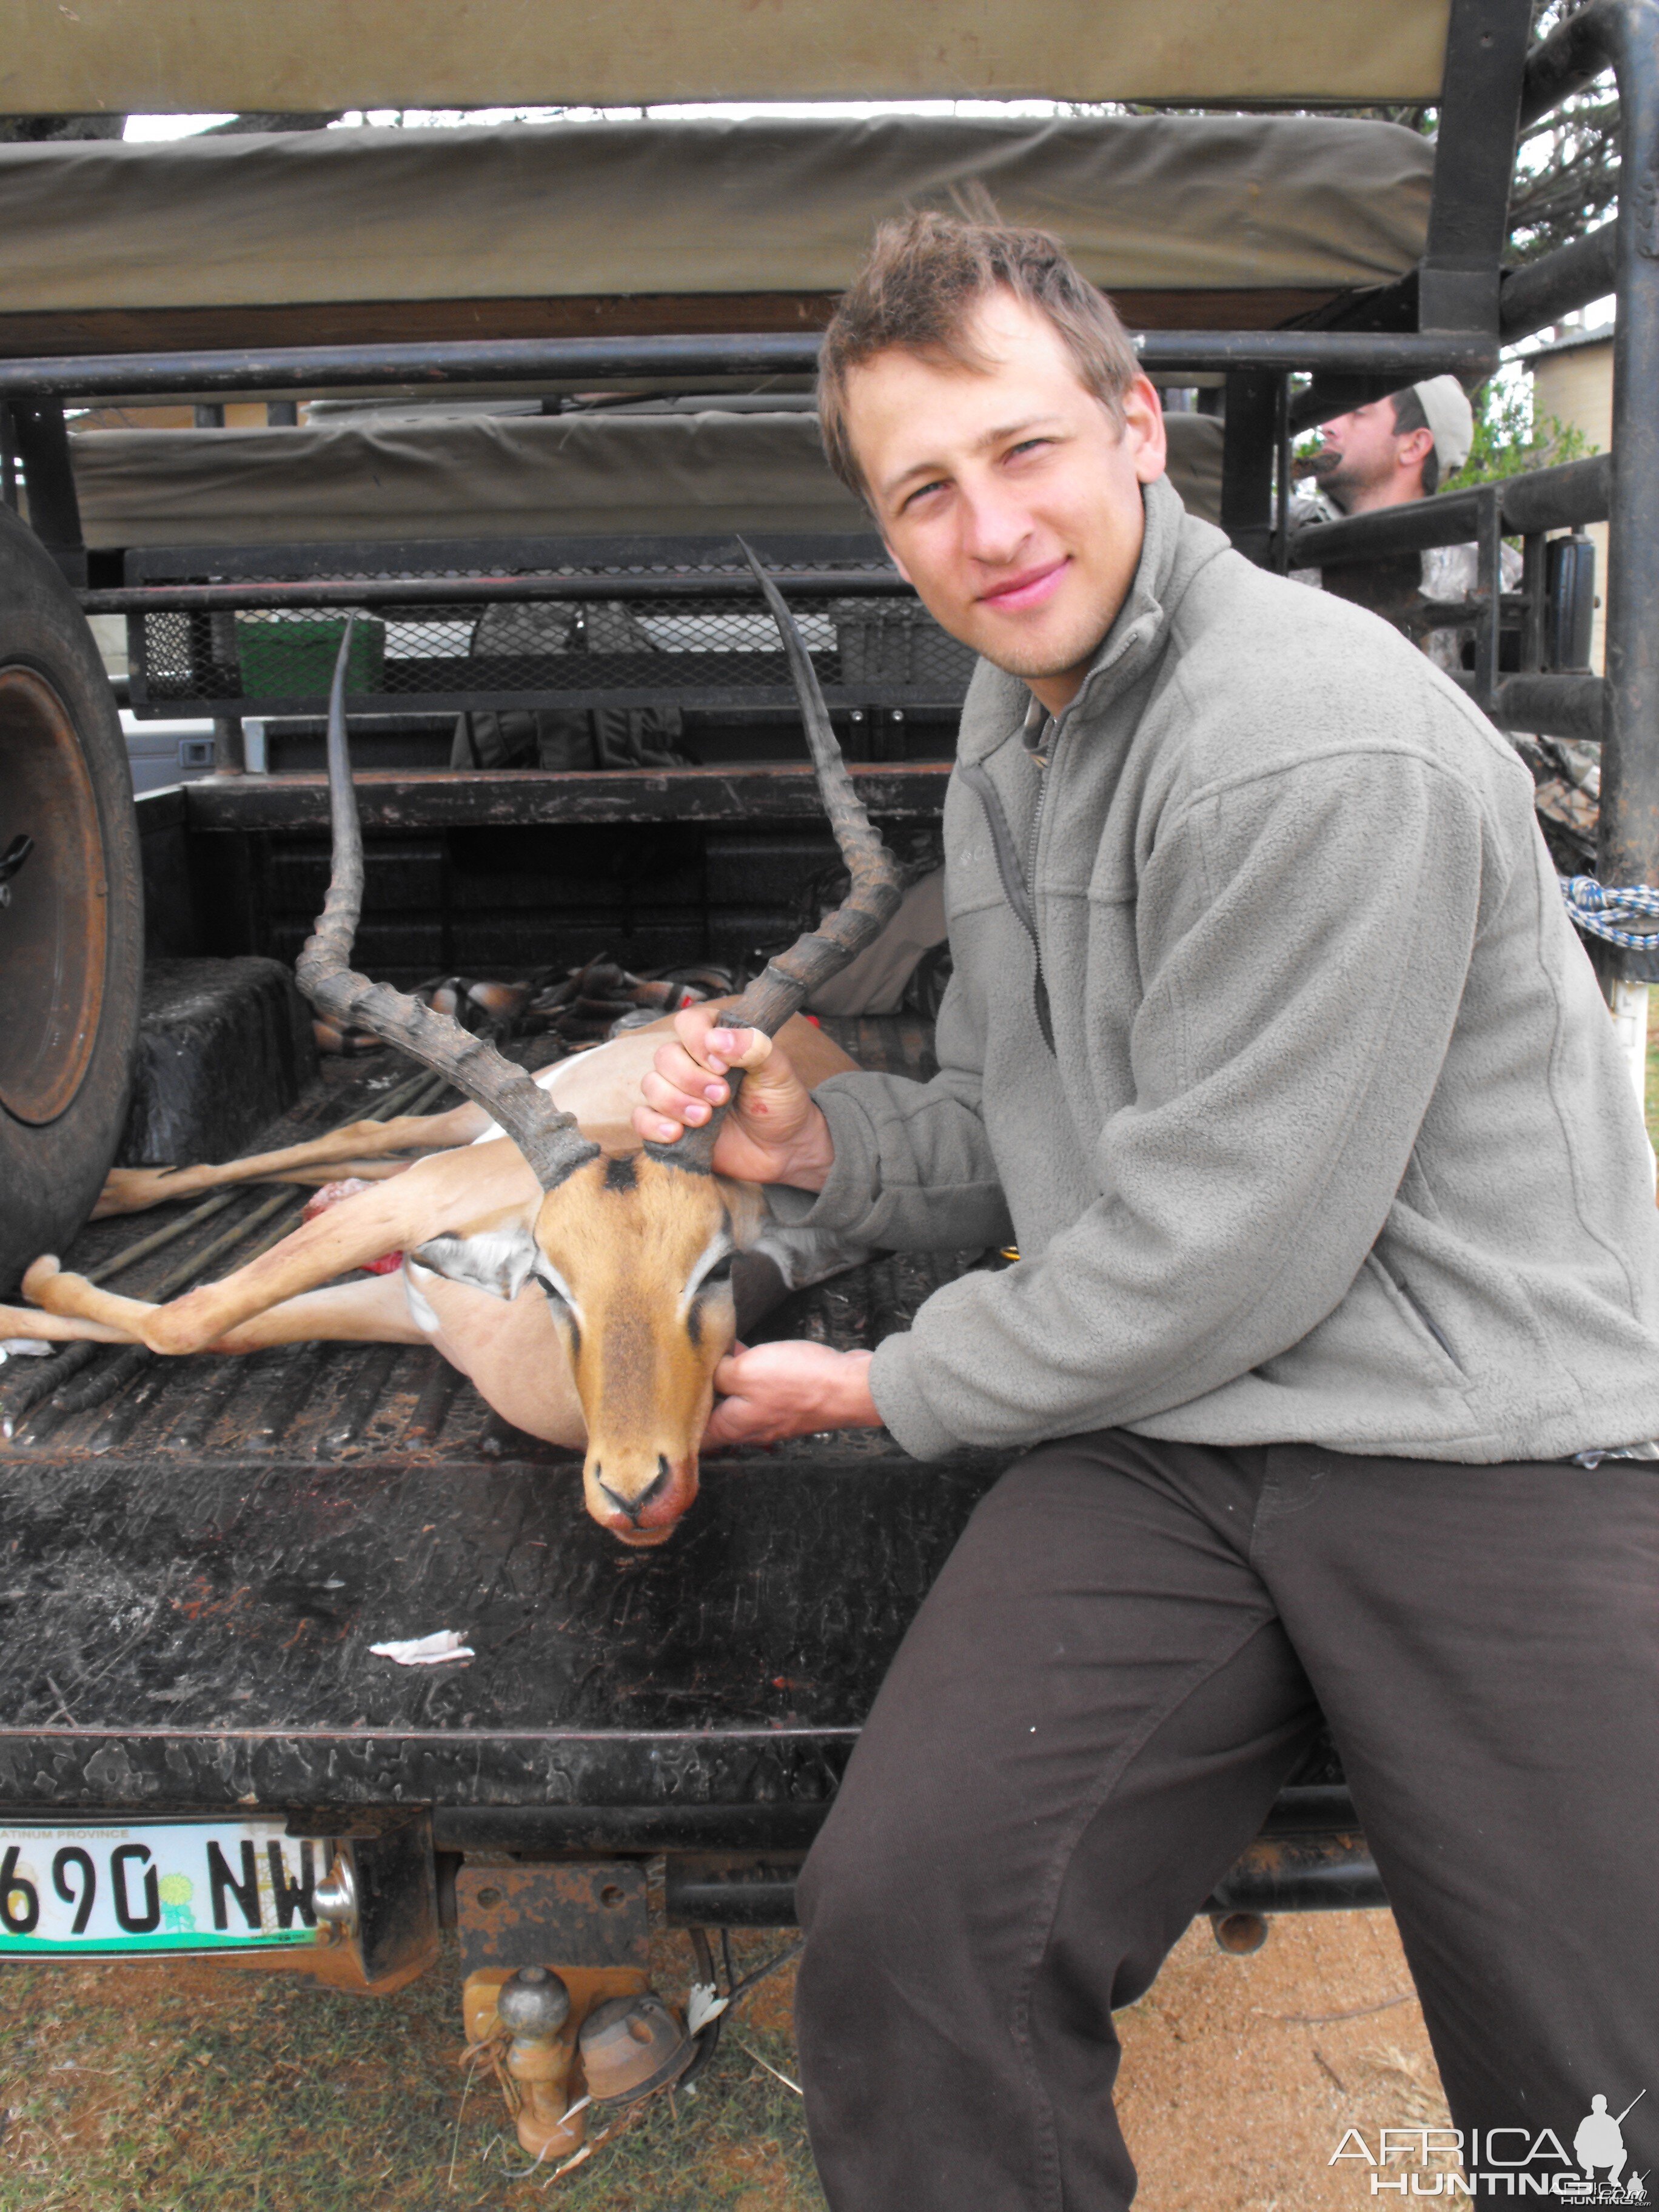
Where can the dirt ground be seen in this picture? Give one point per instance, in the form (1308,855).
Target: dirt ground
(1241,2076)
(170,2088)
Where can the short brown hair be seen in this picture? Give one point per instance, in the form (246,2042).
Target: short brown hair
(926,274)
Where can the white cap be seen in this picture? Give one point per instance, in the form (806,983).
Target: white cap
(1447,410)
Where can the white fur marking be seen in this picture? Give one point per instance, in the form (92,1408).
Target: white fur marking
(420,1307)
(550,1279)
(720,1247)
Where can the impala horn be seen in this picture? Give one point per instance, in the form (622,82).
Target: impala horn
(787,981)
(549,1139)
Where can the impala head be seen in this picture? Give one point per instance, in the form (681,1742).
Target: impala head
(635,1252)
(636,1259)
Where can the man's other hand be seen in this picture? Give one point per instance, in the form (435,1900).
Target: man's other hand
(774,1133)
(770,1391)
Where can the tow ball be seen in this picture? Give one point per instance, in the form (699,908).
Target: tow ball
(557,1997)
(570,2047)
(534,2009)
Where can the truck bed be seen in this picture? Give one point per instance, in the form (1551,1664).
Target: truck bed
(193,1568)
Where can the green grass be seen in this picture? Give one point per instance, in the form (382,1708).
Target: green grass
(1653,1076)
(173,2088)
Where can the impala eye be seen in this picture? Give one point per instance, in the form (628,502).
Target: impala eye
(554,1283)
(558,1297)
(716,1278)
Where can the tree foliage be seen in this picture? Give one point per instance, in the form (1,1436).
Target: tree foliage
(1509,439)
(1566,169)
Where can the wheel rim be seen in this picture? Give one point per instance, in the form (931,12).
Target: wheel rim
(54,933)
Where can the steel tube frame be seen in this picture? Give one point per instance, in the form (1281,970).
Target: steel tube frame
(41,444)
(1624,36)
(1558,283)
(487,361)
(1572,57)
(1560,498)
(1626,33)
(439,592)
(1458,280)
(1552,706)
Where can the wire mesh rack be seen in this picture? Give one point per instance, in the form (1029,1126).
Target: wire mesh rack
(509,640)
(641,652)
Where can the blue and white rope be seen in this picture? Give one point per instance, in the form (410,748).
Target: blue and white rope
(1607,913)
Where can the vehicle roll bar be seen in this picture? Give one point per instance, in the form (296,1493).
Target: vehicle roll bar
(1405,355)
(1624,36)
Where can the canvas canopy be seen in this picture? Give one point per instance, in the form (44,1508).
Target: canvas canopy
(230,55)
(599,210)
(497,476)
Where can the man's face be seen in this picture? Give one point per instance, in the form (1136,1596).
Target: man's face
(1363,453)
(1008,496)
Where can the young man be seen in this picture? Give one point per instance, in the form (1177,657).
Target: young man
(1270,1044)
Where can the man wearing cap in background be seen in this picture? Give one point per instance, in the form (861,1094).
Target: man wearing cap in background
(1387,454)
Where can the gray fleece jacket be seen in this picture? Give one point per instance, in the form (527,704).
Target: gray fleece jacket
(1334,1144)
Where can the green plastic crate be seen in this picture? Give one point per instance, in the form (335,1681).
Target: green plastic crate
(296,659)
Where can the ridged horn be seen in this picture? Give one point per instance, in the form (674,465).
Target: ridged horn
(548,1138)
(787,981)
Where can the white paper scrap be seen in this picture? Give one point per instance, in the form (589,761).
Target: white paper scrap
(425,1650)
(703,2006)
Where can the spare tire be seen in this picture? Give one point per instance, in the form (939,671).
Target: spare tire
(72,931)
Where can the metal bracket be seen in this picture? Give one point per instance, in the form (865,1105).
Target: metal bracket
(590,1914)
(390,1877)
(1488,543)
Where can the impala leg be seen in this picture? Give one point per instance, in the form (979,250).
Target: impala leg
(57,1328)
(378,1220)
(129,1190)
(73,1298)
(373,1312)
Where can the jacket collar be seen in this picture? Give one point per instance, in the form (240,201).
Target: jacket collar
(1174,547)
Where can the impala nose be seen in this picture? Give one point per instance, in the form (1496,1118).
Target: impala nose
(635,1507)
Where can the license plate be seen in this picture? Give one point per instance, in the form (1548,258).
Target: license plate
(107,1888)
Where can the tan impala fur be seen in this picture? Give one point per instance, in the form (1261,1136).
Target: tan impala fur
(611,1331)
(583,1281)
(598,1086)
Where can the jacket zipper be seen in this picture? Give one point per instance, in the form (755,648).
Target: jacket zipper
(1015,888)
(1043,761)
(1024,908)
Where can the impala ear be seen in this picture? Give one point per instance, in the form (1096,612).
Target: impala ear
(498,1259)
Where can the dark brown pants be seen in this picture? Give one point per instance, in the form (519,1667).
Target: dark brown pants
(1120,1663)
